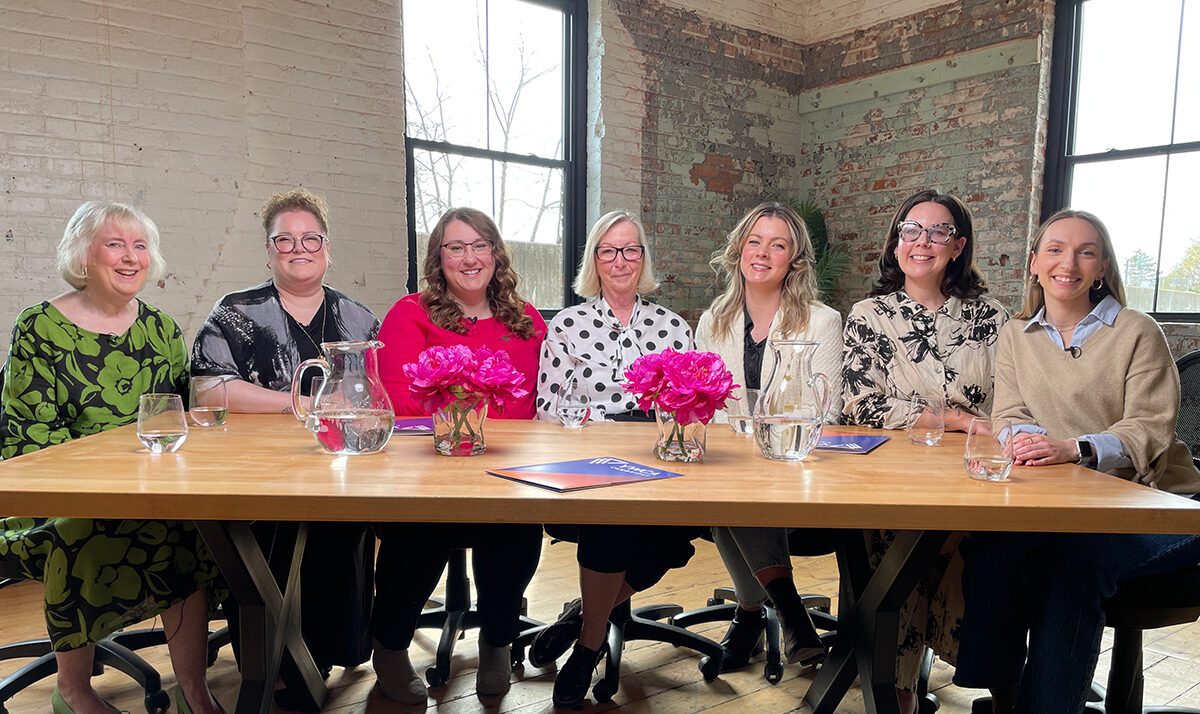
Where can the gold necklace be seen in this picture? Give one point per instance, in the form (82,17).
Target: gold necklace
(302,328)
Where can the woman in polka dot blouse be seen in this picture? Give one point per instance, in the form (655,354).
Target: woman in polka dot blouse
(590,346)
(770,291)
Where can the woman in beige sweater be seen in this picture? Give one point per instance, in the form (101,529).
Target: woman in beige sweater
(1084,379)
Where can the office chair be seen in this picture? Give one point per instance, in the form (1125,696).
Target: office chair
(653,623)
(455,613)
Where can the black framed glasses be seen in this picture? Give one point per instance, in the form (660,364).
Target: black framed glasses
(288,243)
(481,248)
(939,233)
(632,253)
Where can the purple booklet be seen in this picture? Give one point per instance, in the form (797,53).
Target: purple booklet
(576,475)
(849,443)
(413,425)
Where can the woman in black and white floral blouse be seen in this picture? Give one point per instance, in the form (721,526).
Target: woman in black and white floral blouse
(926,329)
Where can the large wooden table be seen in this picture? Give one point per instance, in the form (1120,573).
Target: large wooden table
(270,468)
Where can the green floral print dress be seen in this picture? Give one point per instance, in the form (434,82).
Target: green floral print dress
(63,382)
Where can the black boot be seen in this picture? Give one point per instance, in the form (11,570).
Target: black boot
(743,639)
(801,643)
(556,638)
(575,676)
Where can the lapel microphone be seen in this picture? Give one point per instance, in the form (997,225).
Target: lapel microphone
(1075,352)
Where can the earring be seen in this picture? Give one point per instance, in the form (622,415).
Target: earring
(1098,284)
(1033,279)
(83,272)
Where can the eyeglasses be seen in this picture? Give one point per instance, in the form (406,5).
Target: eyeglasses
(287,243)
(480,248)
(939,233)
(632,253)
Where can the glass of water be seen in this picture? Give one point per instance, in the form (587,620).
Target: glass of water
(161,426)
(926,420)
(986,457)
(573,407)
(741,412)
(208,402)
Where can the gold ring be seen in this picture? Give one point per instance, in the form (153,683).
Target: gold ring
(1029,441)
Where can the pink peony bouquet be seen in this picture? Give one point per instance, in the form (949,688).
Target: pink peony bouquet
(442,375)
(690,385)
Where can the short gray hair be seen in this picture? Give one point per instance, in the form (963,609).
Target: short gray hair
(587,282)
(89,218)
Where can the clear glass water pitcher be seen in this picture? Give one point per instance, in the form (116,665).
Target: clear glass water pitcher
(351,412)
(793,403)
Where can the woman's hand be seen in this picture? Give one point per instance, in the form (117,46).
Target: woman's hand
(958,420)
(1040,450)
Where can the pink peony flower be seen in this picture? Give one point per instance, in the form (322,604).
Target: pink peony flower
(442,375)
(692,385)
(496,377)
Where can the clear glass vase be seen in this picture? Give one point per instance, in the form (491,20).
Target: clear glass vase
(679,442)
(458,427)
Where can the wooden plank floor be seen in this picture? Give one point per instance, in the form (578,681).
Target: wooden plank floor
(655,677)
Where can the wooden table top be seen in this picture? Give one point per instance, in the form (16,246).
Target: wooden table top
(270,467)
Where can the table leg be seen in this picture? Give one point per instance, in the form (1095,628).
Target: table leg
(270,620)
(868,625)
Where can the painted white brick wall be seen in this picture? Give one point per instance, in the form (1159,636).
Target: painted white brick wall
(197,112)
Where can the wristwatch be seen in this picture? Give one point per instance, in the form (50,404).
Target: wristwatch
(1087,453)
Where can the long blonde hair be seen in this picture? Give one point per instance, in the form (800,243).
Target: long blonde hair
(1035,298)
(799,287)
(506,305)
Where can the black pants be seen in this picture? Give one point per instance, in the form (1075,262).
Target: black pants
(412,557)
(335,587)
(643,553)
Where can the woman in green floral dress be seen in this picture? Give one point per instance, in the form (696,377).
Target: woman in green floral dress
(77,365)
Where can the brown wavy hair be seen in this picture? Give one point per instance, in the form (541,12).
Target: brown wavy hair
(506,305)
(962,278)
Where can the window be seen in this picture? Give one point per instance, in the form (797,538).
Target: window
(1124,140)
(494,113)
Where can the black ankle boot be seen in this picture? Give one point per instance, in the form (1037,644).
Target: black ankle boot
(743,639)
(575,676)
(801,643)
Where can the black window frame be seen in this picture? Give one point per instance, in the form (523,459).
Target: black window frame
(1060,130)
(573,162)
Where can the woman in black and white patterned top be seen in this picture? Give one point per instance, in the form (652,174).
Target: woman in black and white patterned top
(592,345)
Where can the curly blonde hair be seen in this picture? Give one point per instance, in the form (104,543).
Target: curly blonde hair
(799,288)
(506,305)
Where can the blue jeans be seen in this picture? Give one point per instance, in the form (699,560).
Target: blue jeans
(1051,586)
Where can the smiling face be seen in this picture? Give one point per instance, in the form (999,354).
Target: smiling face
(467,277)
(298,268)
(620,276)
(766,253)
(118,259)
(922,261)
(1068,261)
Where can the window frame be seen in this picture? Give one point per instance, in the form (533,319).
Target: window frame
(573,162)
(1060,130)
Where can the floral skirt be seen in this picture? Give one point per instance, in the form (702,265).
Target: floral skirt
(101,575)
(932,614)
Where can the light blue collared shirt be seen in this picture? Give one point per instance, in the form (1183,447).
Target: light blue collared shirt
(1110,452)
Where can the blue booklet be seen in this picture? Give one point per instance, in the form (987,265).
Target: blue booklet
(849,443)
(413,425)
(577,475)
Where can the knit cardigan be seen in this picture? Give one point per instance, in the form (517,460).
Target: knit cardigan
(1123,382)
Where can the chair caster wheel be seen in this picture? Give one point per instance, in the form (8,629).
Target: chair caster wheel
(434,678)
(773,672)
(710,667)
(158,702)
(713,602)
(603,691)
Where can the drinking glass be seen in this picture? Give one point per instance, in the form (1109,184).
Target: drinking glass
(573,406)
(161,427)
(208,401)
(986,457)
(741,413)
(927,431)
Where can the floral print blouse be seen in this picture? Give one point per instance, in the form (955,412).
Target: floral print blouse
(63,382)
(896,348)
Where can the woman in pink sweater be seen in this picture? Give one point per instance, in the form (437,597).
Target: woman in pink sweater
(469,298)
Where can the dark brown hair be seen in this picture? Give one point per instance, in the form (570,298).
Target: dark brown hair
(962,279)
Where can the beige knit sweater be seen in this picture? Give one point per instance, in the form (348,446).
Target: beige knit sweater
(1124,382)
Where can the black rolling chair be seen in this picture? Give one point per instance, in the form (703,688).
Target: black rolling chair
(653,623)
(455,614)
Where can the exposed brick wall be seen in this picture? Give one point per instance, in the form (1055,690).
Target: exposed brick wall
(196,112)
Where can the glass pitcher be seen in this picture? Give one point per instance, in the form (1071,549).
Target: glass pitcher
(793,403)
(351,412)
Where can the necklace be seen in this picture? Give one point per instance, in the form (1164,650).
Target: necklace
(304,329)
(1064,328)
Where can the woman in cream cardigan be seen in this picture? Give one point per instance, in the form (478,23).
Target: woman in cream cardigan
(770,292)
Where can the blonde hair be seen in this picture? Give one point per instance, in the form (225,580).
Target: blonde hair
(71,256)
(1035,298)
(507,306)
(587,282)
(300,199)
(799,288)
